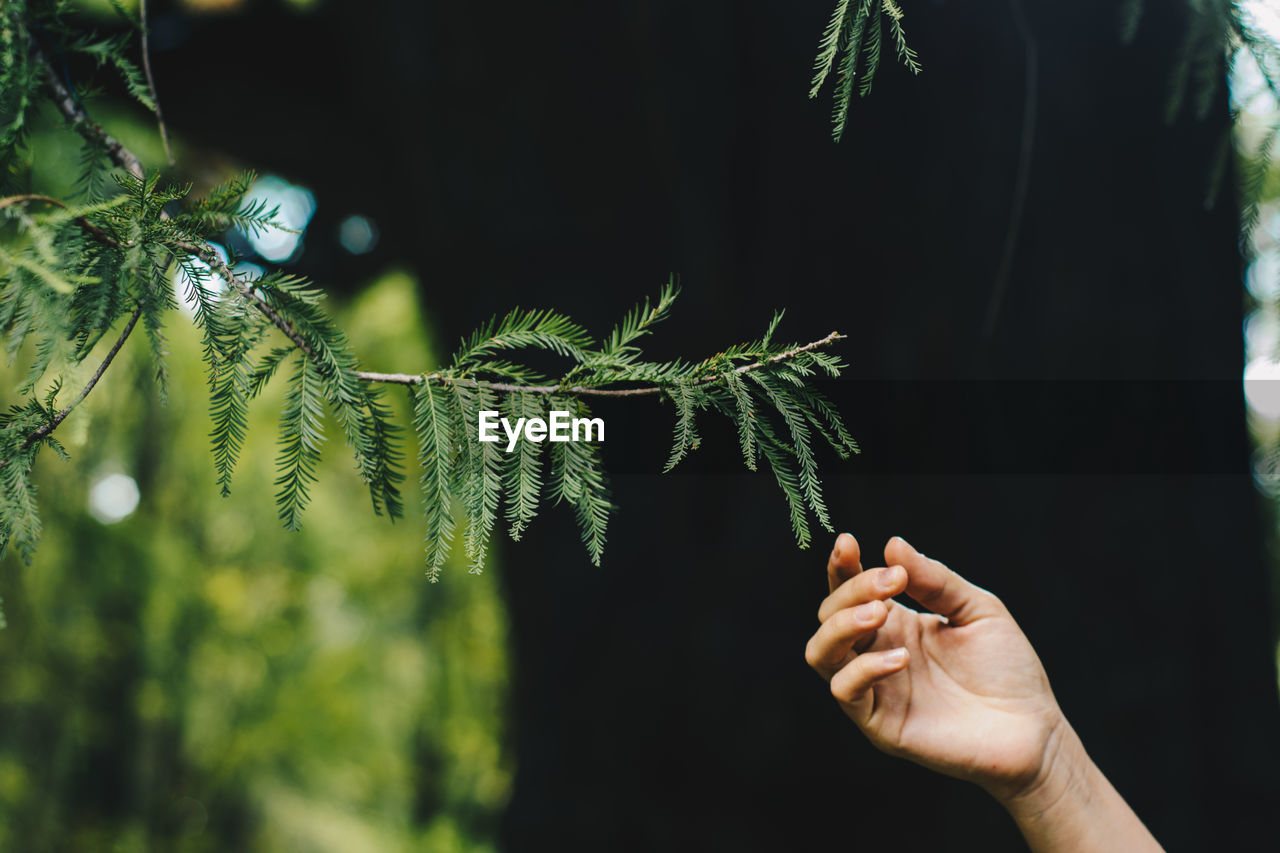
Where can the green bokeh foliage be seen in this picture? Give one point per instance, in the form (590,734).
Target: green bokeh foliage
(196,678)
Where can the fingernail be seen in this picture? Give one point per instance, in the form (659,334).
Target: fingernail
(888,577)
(895,657)
(865,612)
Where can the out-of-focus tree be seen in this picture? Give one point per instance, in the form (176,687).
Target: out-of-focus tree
(192,677)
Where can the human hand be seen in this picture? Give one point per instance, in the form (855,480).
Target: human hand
(958,689)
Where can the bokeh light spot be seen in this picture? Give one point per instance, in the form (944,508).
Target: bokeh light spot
(1261,388)
(113,498)
(358,235)
(296,205)
(1263,276)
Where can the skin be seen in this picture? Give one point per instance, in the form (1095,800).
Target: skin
(958,688)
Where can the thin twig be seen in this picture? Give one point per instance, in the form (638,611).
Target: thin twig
(1023,180)
(103,237)
(248,291)
(151,83)
(45,429)
(10,201)
(80,121)
(587,390)
(124,158)
(92,230)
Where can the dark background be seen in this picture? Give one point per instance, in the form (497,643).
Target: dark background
(572,154)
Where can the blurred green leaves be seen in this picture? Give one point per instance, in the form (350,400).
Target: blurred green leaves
(195,678)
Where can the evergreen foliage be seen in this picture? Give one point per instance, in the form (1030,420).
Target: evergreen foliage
(851,46)
(746,383)
(522,476)
(1219,34)
(1218,29)
(1244,40)
(75,271)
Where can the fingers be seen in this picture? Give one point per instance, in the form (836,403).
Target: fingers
(856,608)
(939,589)
(871,585)
(831,646)
(845,561)
(852,684)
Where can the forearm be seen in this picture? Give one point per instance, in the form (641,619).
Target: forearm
(1074,808)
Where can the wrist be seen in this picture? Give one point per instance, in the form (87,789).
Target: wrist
(1063,778)
(1070,806)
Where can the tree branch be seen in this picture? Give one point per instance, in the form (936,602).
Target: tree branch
(103,237)
(248,291)
(86,127)
(151,83)
(124,158)
(45,430)
(587,390)
(92,230)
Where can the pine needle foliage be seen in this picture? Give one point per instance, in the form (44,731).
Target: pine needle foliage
(432,421)
(79,274)
(851,46)
(301,437)
(522,474)
(1246,42)
(1218,35)
(749,383)
(32,31)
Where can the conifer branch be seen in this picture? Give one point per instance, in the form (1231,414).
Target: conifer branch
(67,286)
(70,107)
(587,391)
(124,158)
(83,221)
(151,81)
(46,429)
(856,30)
(248,291)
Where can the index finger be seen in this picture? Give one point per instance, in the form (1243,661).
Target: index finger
(939,588)
(845,561)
